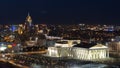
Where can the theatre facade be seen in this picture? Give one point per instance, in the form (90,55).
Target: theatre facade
(82,51)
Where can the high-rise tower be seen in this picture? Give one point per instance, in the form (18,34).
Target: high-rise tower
(28,20)
(28,23)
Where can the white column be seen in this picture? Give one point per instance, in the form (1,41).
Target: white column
(93,54)
(96,54)
(105,53)
(102,53)
(108,53)
(82,55)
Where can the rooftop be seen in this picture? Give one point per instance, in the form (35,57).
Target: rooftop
(85,45)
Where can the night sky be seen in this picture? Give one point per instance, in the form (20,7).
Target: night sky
(60,11)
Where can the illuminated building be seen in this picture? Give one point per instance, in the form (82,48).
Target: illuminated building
(35,41)
(52,37)
(66,43)
(83,51)
(13,28)
(114,46)
(90,51)
(32,41)
(9,47)
(3,47)
(37,29)
(28,23)
(20,29)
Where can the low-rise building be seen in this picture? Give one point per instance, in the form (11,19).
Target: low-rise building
(66,43)
(114,47)
(83,51)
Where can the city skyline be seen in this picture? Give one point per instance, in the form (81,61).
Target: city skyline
(61,12)
(59,34)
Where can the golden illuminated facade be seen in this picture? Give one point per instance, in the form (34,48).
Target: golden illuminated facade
(20,29)
(28,23)
(114,48)
(29,20)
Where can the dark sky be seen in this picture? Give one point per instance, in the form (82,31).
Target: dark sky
(60,11)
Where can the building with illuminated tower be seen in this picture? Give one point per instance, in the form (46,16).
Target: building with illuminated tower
(28,23)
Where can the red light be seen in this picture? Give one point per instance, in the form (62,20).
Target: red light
(13,44)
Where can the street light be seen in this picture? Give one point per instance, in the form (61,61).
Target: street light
(112,39)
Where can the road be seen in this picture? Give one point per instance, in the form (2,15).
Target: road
(13,62)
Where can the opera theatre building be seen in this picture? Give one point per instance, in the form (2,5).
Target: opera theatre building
(82,51)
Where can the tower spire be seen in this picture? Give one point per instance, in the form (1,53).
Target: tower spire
(28,14)
(28,18)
